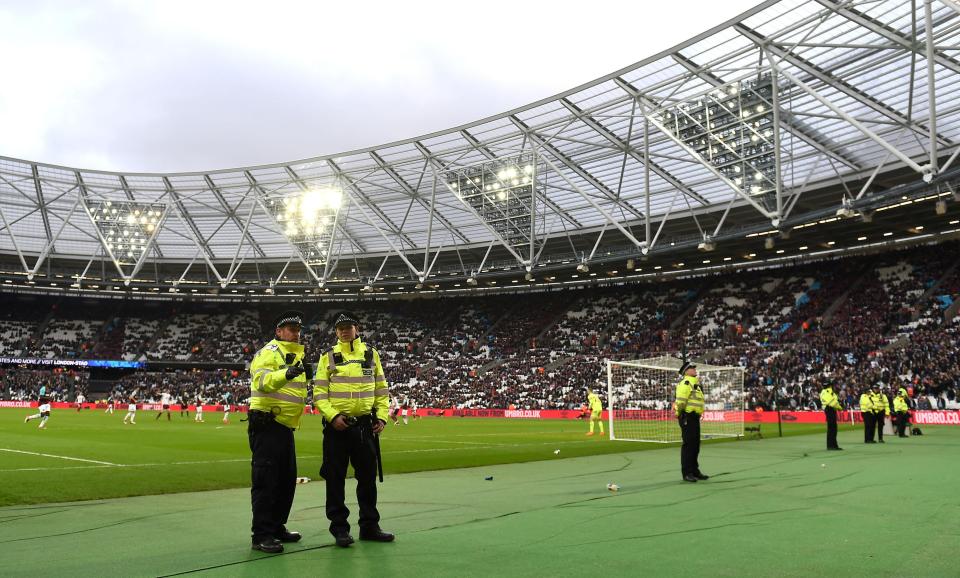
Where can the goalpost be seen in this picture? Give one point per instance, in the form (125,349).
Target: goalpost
(641,393)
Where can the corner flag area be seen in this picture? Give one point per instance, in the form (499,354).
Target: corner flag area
(773,506)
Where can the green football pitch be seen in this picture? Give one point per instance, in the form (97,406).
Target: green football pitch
(90,495)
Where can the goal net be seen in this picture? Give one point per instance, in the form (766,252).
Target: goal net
(641,394)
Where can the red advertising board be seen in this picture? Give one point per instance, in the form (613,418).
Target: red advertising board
(928,417)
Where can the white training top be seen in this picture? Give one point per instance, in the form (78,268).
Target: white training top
(166,399)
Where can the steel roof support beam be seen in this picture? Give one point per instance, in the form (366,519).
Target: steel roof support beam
(835,83)
(646,183)
(797,131)
(303,187)
(126,189)
(370,222)
(777,160)
(234,265)
(13,238)
(573,166)
(296,251)
(952,4)
(416,197)
(232,213)
(856,124)
(437,167)
(485,151)
(426,250)
(894,35)
(931,82)
(186,219)
(195,234)
(40,202)
(49,245)
(593,204)
(373,207)
(632,152)
(645,104)
(143,255)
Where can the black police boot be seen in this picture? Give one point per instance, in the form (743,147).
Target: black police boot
(690,478)
(286,536)
(268,545)
(343,540)
(376,535)
(701,476)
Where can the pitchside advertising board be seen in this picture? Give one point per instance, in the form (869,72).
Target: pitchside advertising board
(919,417)
(116,363)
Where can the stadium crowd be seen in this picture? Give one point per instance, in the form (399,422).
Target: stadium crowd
(860,320)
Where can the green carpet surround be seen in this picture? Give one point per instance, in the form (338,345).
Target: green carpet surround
(777,506)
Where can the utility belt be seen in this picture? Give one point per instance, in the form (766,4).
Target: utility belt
(258,418)
(354,421)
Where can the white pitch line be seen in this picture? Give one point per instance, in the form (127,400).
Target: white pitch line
(60,457)
(150,465)
(435,441)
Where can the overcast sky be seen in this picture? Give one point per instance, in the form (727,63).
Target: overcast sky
(194,85)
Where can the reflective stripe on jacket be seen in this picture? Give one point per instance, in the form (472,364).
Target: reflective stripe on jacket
(269,389)
(828,398)
(345,385)
(689,396)
(900,405)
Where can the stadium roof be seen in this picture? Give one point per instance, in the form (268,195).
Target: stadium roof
(773,120)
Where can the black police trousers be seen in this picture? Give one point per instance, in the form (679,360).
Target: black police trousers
(690,450)
(903,420)
(879,420)
(274,476)
(869,424)
(831,427)
(354,445)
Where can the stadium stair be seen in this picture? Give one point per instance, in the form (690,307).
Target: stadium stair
(152,344)
(42,326)
(951,312)
(918,304)
(490,365)
(838,303)
(702,291)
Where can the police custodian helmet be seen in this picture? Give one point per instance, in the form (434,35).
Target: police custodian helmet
(686,365)
(289,318)
(346,318)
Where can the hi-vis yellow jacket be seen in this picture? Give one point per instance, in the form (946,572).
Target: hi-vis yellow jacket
(269,389)
(689,396)
(828,398)
(866,402)
(350,381)
(900,404)
(880,403)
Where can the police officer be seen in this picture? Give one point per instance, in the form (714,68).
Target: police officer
(831,406)
(689,408)
(881,409)
(866,411)
(351,393)
(902,409)
(277,398)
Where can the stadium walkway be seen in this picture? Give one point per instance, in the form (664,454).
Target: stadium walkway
(774,507)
